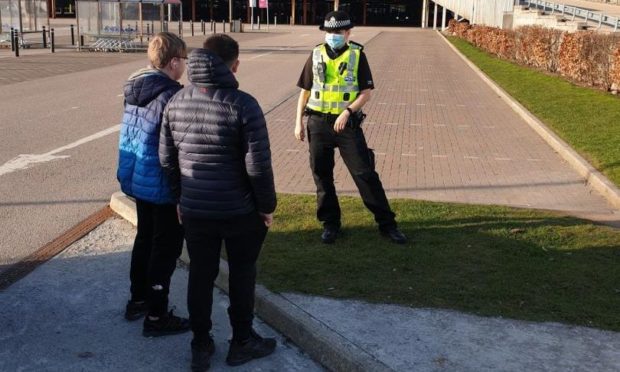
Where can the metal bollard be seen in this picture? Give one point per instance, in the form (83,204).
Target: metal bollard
(12,39)
(72,35)
(223,26)
(191,26)
(81,40)
(214,27)
(202,26)
(52,37)
(44,38)
(148,30)
(16,41)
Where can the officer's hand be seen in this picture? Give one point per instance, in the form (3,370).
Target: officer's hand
(341,121)
(267,218)
(300,132)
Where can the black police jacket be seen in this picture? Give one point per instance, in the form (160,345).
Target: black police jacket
(214,144)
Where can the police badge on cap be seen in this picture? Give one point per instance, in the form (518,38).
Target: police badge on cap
(336,20)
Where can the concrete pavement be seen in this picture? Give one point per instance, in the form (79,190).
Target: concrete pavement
(68,316)
(438,132)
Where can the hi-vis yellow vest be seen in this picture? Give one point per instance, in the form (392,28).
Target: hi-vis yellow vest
(335,86)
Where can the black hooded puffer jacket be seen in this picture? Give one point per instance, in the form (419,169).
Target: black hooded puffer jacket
(214,144)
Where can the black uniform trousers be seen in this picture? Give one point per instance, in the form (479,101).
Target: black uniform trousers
(157,246)
(360,162)
(243,238)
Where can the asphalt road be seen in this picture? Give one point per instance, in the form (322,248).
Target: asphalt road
(58,148)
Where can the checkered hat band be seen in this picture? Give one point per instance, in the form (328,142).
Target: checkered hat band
(336,24)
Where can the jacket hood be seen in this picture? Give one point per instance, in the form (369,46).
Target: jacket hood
(206,70)
(145,85)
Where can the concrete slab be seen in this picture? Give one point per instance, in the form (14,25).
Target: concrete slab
(408,339)
(68,316)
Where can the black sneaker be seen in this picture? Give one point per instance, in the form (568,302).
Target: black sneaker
(168,324)
(135,310)
(201,355)
(394,235)
(255,347)
(329,234)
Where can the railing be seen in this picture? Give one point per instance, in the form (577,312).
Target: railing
(616,2)
(574,12)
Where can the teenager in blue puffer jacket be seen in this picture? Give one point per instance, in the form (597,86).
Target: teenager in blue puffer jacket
(159,239)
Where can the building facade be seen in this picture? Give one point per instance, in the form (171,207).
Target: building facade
(300,12)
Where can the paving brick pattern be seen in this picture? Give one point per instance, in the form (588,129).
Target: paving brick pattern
(45,64)
(441,134)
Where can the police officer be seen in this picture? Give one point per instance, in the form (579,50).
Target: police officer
(335,84)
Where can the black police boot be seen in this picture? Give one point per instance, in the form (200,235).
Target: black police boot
(329,234)
(201,354)
(254,347)
(395,235)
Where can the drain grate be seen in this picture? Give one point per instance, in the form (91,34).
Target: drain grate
(51,249)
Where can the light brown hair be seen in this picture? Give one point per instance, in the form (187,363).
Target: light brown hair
(164,47)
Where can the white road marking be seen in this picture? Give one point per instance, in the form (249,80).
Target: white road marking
(471,157)
(380,153)
(534,159)
(463,126)
(391,124)
(416,125)
(24,161)
(381,103)
(75,107)
(120,95)
(258,56)
(420,104)
(440,156)
(503,159)
(403,154)
(439,125)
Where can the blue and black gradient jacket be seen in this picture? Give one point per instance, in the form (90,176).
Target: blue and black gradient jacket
(146,94)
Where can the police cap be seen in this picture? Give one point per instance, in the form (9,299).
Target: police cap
(336,20)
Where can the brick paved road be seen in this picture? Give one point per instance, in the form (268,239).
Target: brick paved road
(441,134)
(438,131)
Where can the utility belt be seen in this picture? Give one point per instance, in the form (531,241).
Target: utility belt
(355,120)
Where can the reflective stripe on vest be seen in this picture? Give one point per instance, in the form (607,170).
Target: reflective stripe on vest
(332,92)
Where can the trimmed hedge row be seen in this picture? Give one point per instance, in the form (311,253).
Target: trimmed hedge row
(585,57)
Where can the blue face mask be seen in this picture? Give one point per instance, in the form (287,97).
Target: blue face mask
(335,41)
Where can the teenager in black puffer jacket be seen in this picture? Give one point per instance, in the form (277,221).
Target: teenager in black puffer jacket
(215,147)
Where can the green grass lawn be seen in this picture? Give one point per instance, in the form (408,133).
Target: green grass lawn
(587,119)
(485,260)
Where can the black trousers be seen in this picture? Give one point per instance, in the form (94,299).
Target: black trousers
(360,162)
(157,246)
(243,237)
